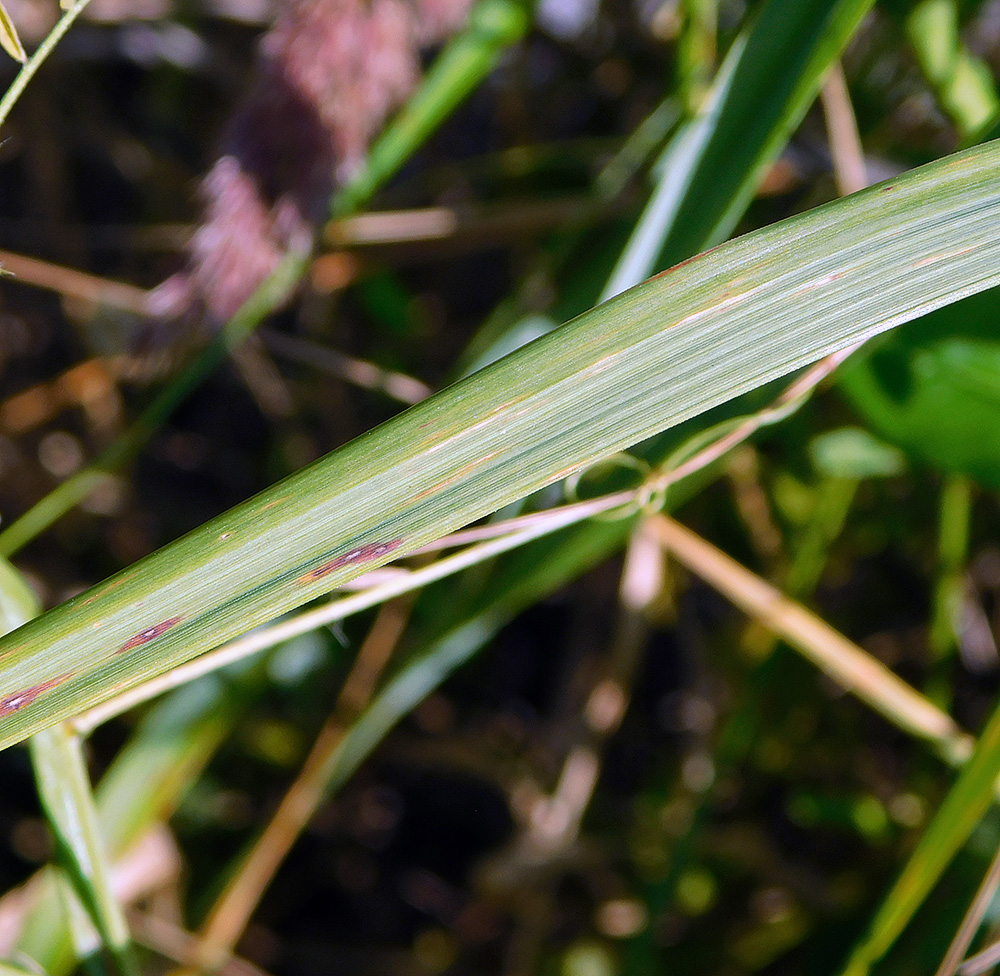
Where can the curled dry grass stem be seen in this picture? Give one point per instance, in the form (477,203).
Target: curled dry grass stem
(848,664)
(742,430)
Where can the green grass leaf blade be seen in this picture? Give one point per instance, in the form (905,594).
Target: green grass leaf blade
(494,25)
(144,785)
(711,168)
(77,487)
(68,804)
(712,328)
(961,810)
(64,790)
(455,633)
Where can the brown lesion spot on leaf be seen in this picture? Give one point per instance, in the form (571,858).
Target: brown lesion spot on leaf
(16,701)
(360,555)
(149,634)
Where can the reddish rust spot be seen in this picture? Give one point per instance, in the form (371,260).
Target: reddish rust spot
(15,702)
(150,633)
(887,188)
(360,555)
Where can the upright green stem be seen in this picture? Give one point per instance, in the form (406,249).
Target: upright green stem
(949,590)
(36,60)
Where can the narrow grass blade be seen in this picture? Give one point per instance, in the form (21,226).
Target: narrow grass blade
(696,48)
(39,57)
(711,168)
(961,810)
(68,804)
(712,328)
(494,25)
(458,629)
(78,486)
(144,785)
(64,789)
(918,388)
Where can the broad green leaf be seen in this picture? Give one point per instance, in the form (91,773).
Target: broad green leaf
(9,39)
(919,386)
(708,330)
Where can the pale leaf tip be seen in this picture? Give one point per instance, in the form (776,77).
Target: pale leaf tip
(9,40)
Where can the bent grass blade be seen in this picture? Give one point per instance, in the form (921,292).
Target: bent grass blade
(68,806)
(958,814)
(689,339)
